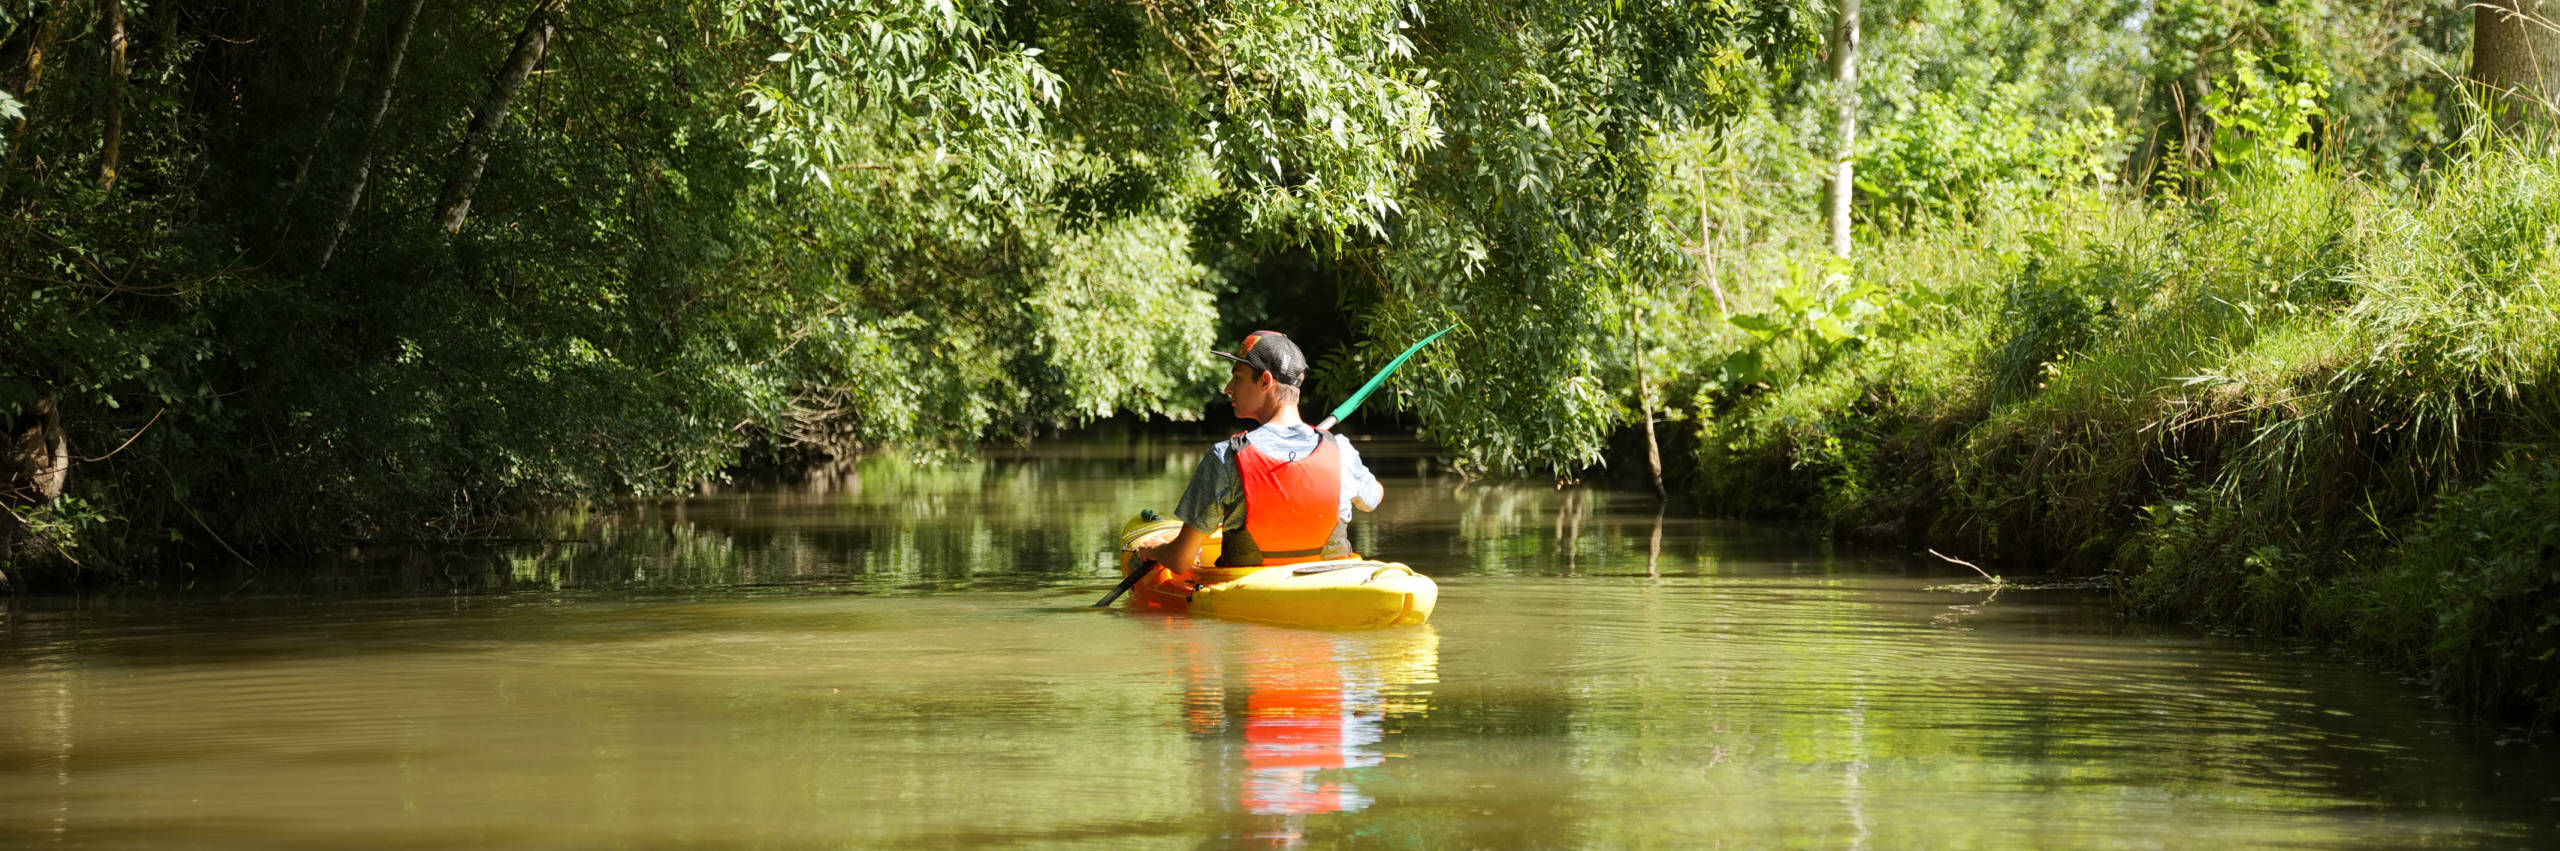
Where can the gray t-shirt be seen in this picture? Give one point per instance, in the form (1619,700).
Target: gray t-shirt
(1215,498)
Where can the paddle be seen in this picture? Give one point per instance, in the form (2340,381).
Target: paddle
(1131,580)
(1344,409)
(1339,411)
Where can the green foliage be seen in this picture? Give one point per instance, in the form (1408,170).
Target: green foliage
(2282,409)
(1120,295)
(2473,591)
(1946,154)
(709,233)
(1529,226)
(2377,70)
(1811,320)
(688,242)
(2050,313)
(2261,115)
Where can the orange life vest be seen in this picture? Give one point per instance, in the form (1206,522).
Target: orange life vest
(1292,509)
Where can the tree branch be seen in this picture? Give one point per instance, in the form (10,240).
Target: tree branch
(455,203)
(116,73)
(392,57)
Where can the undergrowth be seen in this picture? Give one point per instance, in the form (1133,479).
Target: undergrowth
(2296,403)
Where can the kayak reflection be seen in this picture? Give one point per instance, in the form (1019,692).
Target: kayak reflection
(1295,720)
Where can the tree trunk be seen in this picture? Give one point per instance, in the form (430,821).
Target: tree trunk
(39,457)
(17,141)
(2515,52)
(393,55)
(349,39)
(455,203)
(1844,78)
(1707,248)
(116,72)
(1644,402)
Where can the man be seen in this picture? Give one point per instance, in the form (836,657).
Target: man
(1282,493)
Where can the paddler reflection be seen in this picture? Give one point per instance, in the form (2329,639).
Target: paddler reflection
(1297,721)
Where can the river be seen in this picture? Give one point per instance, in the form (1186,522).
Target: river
(895,654)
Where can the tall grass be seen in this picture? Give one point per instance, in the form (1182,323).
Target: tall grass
(2303,404)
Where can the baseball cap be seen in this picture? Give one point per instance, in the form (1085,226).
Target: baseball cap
(1272,352)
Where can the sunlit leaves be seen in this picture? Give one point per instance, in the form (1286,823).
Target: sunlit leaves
(2262,112)
(1532,226)
(1944,155)
(831,225)
(1123,318)
(1318,112)
(890,86)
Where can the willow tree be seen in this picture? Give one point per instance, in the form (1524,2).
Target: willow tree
(700,232)
(395,52)
(1531,227)
(1476,163)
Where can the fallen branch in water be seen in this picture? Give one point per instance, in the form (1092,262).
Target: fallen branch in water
(1995,581)
(460,541)
(1956,614)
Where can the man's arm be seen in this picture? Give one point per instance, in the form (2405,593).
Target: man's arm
(1365,490)
(1180,554)
(1205,503)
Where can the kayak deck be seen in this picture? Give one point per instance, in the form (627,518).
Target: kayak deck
(1349,593)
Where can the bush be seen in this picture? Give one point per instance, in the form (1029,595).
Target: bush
(2281,407)
(2473,593)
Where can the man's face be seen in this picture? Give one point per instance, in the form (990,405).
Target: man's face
(1250,393)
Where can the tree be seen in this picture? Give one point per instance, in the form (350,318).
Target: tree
(701,233)
(38,455)
(117,70)
(455,200)
(2515,54)
(1844,77)
(48,28)
(394,54)
(1532,226)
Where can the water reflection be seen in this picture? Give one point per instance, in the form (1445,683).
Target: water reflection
(1291,721)
(1010,520)
(902,656)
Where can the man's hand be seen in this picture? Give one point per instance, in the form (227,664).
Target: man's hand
(1147,546)
(1180,554)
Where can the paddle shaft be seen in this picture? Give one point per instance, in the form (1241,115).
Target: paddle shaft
(1345,409)
(1127,582)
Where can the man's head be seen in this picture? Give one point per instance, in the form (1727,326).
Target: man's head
(1264,381)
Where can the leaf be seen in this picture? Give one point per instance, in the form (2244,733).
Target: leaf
(1758,326)
(1831,330)
(1791,300)
(1743,367)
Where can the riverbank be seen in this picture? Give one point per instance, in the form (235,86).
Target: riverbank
(2304,404)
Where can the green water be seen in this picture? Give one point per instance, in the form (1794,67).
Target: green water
(897,655)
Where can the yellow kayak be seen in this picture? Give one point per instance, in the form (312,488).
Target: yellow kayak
(1345,593)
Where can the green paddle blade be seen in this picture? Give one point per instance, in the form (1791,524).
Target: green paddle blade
(1347,405)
